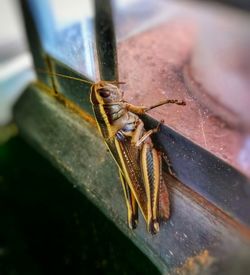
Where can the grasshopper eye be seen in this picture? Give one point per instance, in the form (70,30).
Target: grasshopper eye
(104,93)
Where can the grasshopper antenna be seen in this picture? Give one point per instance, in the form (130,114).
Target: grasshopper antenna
(64,76)
(74,78)
(116,82)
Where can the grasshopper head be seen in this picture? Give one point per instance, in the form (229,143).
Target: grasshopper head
(105,92)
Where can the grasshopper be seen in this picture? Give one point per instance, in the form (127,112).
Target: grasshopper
(139,163)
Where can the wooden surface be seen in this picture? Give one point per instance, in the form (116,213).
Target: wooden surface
(199,238)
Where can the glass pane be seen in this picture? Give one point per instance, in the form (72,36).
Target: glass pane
(67,32)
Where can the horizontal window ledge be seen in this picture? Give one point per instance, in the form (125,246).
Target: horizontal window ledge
(198,232)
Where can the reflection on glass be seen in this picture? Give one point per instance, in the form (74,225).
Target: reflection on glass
(67,32)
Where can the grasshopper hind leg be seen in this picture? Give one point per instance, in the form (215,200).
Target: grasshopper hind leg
(151,167)
(132,207)
(156,190)
(164,205)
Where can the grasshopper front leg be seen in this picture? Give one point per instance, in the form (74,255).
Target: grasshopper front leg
(137,139)
(143,109)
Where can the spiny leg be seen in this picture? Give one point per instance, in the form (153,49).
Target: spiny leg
(164,204)
(132,207)
(169,164)
(167,101)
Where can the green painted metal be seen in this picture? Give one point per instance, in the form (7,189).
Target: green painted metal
(76,149)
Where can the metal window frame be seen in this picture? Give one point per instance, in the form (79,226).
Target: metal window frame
(226,188)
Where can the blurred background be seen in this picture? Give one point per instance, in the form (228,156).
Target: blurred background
(43,220)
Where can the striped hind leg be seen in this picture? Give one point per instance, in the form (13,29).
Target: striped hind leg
(164,204)
(150,167)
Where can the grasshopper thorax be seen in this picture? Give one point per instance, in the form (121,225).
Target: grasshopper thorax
(104,92)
